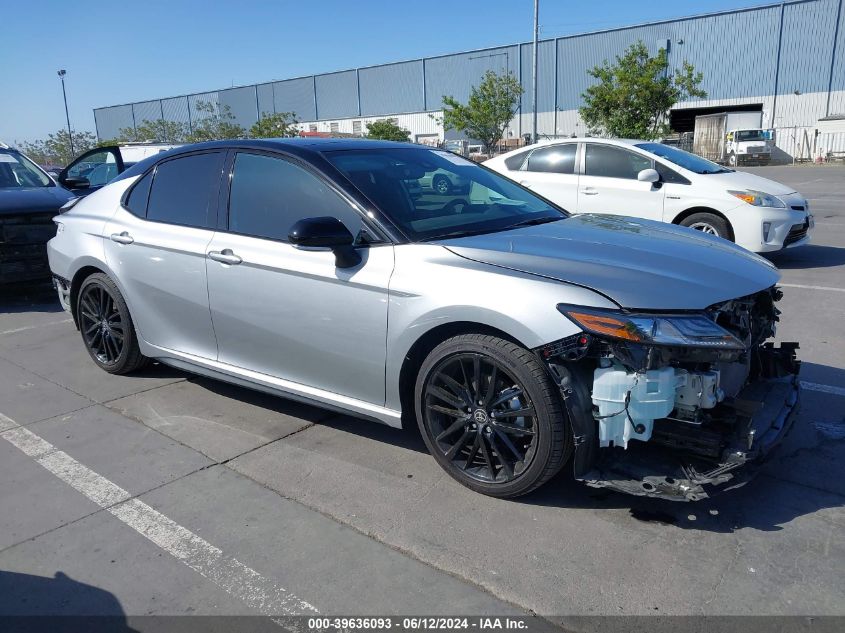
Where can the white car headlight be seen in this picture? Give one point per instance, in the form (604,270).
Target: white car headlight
(758,198)
(687,330)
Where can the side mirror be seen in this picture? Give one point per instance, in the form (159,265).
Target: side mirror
(74,183)
(648,175)
(326,232)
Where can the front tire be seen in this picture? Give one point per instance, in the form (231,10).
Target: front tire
(491,415)
(106,326)
(442,185)
(709,223)
(732,160)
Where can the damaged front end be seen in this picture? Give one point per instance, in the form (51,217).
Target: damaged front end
(670,405)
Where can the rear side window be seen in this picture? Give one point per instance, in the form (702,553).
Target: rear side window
(183,189)
(269,195)
(138,197)
(514,163)
(558,159)
(613,162)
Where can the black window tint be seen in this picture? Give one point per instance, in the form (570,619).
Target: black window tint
(613,162)
(183,189)
(514,163)
(558,159)
(269,195)
(670,175)
(138,197)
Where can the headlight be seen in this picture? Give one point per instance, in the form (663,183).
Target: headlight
(693,330)
(758,198)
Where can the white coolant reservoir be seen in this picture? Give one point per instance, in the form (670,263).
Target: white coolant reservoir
(652,396)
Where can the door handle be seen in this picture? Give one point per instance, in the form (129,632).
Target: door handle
(589,191)
(525,184)
(226,256)
(122,238)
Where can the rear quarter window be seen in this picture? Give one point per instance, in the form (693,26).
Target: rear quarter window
(515,162)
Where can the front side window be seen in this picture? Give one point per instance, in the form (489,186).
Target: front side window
(269,195)
(17,172)
(403,184)
(184,188)
(610,161)
(557,159)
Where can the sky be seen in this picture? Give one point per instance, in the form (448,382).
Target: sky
(132,51)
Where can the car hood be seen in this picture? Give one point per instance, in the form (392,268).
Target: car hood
(744,180)
(32,199)
(639,264)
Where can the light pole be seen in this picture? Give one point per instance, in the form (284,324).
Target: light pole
(534,72)
(61,74)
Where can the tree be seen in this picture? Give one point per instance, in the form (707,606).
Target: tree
(218,123)
(491,106)
(158,131)
(387,130)
(633,96)
(55,149)
(278,125)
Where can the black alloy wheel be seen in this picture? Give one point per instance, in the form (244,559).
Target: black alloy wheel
(491,427)
(106,327)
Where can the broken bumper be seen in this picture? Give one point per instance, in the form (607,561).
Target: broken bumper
(658,471)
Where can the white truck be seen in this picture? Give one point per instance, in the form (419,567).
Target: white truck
(733,138)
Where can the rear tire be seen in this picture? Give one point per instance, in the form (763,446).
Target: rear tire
(709,223)
(491,416)
(106,326)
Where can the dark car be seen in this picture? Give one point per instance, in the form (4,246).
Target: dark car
(29,199)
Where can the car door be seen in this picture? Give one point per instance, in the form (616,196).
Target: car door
(290,312)
(608,183)
(92,170)
(156,245)
(550,171)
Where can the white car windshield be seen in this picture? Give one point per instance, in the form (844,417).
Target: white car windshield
(683,159)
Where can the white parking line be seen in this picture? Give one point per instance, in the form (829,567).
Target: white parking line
(830,288)
(226,572)
(32,327)
(814,386)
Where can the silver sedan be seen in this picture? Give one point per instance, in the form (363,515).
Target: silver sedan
(519,338)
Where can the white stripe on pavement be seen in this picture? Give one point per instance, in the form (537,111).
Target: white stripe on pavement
(814,386)
(829,288)
(32,327)
(226,572)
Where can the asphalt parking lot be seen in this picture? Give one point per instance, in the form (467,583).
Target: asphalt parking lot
(165,493)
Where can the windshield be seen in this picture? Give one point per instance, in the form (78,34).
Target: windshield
(683,159)
(433,194)
(18,172)
(749,135)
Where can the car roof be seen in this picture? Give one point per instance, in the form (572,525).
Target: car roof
(306,148)
(624,142)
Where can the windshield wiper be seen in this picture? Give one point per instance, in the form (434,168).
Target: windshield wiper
(535,221)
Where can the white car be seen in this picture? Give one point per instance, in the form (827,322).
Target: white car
(647,179)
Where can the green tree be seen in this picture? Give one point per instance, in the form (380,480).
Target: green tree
(217,123)
(491,106)
(56,150)
(278,125)
(158,131)
(387,130)
(632,97)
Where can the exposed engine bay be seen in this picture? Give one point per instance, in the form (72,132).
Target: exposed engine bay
(672,421)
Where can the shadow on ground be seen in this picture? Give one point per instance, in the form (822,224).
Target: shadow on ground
(29,298)
(23,596)
(809,256)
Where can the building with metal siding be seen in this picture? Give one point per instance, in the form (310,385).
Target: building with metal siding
(787,60)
